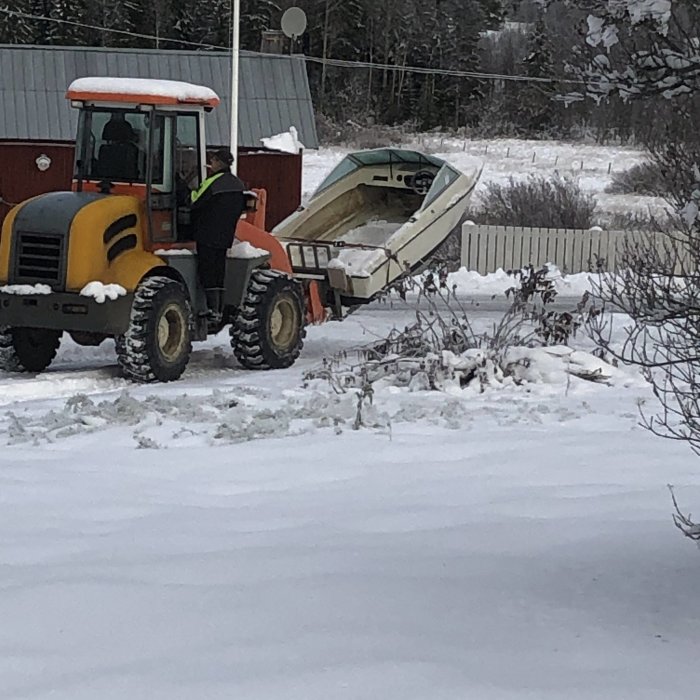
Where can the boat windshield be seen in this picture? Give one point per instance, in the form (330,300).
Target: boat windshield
(378,156)
(345,167)
(444,179)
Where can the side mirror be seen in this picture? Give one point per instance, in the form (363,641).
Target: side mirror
(251,201)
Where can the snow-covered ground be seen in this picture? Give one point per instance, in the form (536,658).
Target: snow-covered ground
(232,535)
(592,166)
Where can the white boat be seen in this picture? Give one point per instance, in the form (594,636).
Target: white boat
(379,214)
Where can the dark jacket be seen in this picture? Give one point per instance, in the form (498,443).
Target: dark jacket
(216,208)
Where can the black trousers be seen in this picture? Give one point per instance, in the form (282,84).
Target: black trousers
(211,265)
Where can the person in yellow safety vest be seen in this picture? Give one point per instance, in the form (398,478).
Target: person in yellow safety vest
(216,207)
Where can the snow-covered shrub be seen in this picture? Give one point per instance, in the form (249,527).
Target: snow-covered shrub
(538,201)
(442,351)
(645,179)
(635,221)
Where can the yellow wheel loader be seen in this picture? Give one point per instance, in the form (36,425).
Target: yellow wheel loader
(114,257)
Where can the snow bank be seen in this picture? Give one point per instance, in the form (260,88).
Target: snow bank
(286,142)
(182,92)
(243,250)
(26,289)
(101,292)
(495,283)
(554,364)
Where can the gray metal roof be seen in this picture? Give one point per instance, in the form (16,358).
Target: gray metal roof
(273,92)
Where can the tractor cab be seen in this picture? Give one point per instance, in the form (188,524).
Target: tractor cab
(143,138)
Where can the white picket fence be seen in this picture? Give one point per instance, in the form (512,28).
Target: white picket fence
(487,248)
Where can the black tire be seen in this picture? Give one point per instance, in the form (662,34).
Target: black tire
(27,349)
(87,338)
(268,331)
(157,345)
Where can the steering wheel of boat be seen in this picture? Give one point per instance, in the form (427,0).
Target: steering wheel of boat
(421,182)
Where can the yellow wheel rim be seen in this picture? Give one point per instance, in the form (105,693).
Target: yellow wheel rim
(284,322)
(171,336)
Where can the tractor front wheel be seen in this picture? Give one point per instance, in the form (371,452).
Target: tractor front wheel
(157,345)
(268,331)
(27,349)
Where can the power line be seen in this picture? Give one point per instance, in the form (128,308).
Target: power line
(96,27)
(311,59)
(438,71)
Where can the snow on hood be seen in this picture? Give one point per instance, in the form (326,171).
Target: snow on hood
(287,142)
(101,292)
(144,86)
(171,252)
(245,251)
(26,289)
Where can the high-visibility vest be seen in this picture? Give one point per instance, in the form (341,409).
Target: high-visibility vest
(196,194)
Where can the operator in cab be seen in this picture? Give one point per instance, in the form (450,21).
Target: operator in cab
(216,207)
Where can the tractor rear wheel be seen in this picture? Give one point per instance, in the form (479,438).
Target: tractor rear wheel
(27,349)
(157,345)
(268,331)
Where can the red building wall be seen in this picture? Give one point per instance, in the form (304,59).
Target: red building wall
(20,178)
(278,173)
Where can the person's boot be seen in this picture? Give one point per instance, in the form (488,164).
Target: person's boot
(215,299)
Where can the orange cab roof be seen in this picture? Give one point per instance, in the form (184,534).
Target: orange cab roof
(141,91)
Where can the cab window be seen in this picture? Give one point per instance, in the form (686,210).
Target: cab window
(187,149)
(112,145)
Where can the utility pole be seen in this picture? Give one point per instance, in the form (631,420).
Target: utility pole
(235,57)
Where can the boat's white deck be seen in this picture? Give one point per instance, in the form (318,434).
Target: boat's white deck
(376,232)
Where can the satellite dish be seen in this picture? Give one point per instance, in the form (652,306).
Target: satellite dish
(294,22)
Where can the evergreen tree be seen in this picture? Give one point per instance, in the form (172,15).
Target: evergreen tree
(39,27)
(15,29)
(257,16)
(186,24)
(536,106)
(122,15)
(70,14)
(493,13)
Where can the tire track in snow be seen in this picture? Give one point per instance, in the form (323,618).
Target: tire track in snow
(63,383)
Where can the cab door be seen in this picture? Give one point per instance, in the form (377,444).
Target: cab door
(187,156)
(160,190)
(173,172)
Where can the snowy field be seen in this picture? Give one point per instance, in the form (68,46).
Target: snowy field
(232,535)
(592,166)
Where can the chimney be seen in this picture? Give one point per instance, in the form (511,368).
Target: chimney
(273,41)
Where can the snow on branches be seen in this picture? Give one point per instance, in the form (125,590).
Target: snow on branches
(656,12)
(650,49)
(441,351)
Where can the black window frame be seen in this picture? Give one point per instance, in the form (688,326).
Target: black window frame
(83,143)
